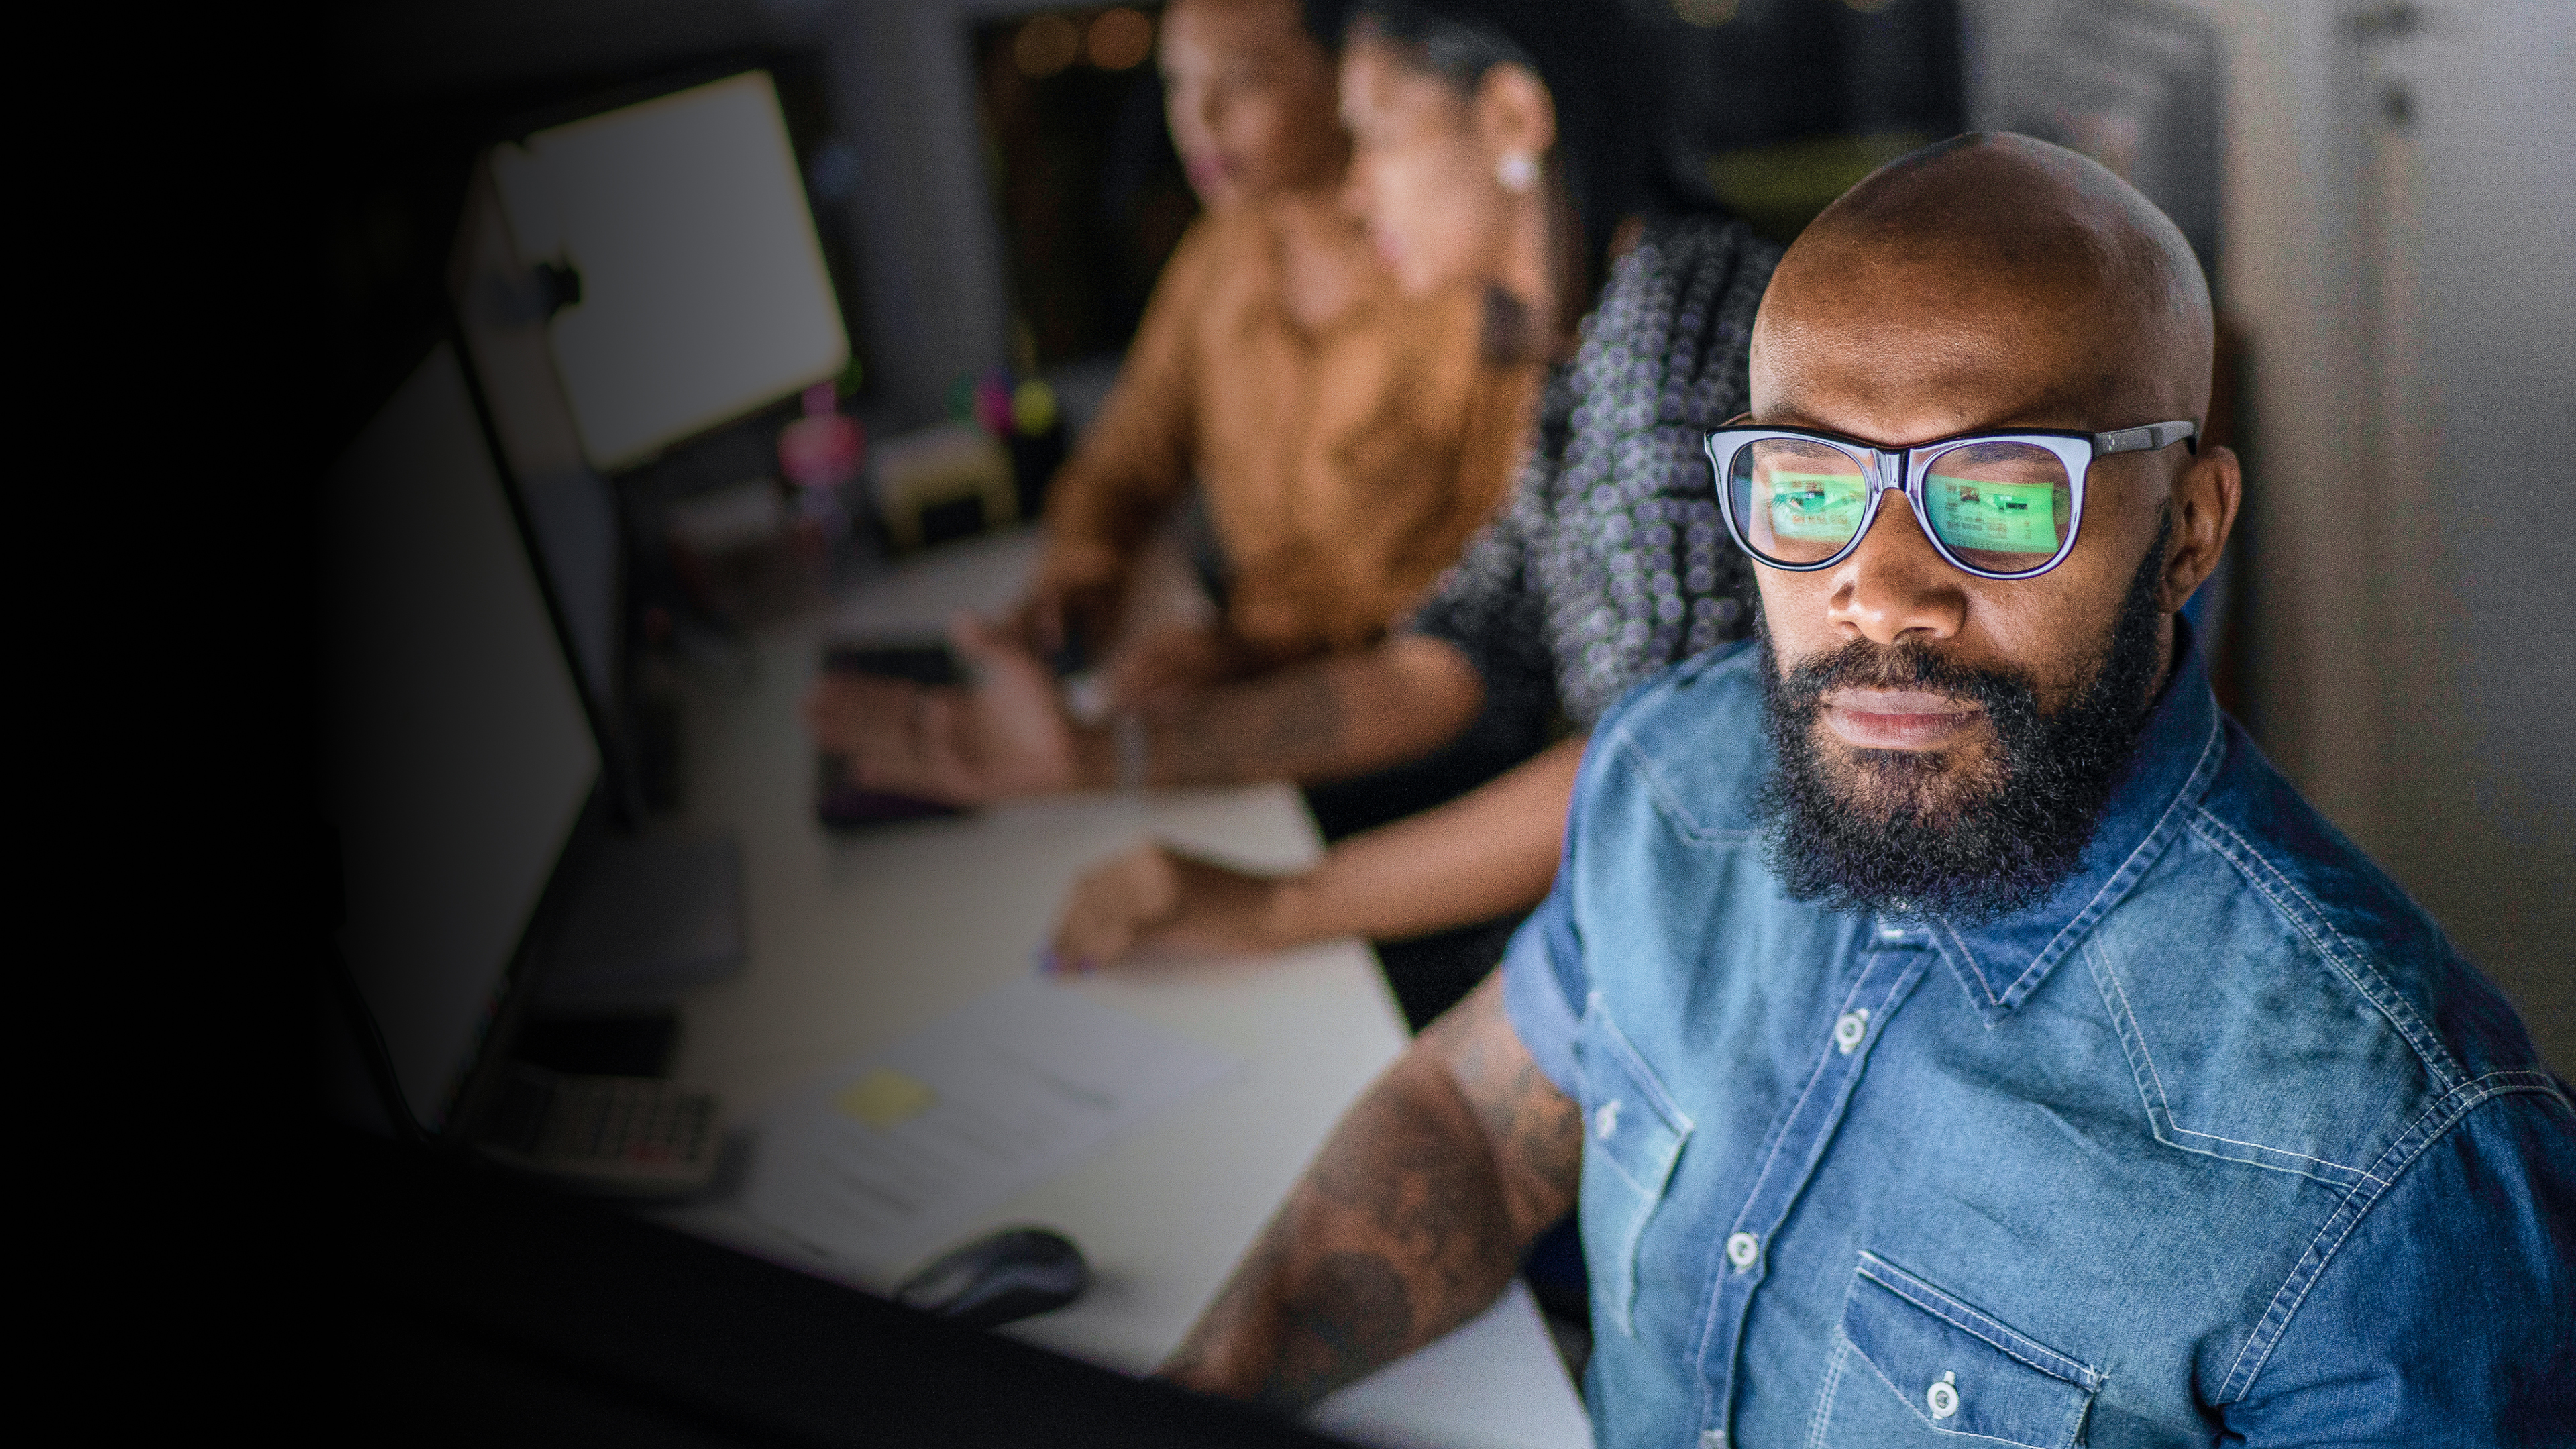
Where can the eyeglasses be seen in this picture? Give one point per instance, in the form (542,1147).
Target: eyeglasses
(1998,505)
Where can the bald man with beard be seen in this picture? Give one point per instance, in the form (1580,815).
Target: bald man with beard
(1952,1028)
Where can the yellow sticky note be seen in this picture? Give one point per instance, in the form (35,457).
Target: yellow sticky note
(885,1097)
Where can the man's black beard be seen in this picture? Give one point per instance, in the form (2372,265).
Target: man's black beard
(1889,840)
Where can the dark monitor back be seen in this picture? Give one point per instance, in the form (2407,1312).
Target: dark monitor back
(460,765)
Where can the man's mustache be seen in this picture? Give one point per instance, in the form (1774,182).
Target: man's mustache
(1864,664)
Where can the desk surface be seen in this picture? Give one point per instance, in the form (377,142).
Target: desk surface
(855,940)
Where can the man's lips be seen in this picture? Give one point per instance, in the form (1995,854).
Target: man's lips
(1897,719)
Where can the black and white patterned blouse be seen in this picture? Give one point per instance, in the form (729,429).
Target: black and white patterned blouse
(1612,562)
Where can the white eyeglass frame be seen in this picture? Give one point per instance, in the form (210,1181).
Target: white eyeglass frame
(1902,470)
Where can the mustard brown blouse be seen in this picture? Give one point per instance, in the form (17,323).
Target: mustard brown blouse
(1343,468)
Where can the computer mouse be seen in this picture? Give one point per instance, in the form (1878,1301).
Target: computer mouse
(1013,1274)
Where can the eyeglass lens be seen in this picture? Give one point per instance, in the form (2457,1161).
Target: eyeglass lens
(2001,507)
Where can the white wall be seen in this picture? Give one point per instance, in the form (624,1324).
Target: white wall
(2410,294)
(2469,249)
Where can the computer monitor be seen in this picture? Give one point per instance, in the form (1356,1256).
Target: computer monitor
(461,769)
(684,284)
(574,524)
(623,282)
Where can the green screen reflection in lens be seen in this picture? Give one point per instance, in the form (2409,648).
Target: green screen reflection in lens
(1815,507)
(2002,517)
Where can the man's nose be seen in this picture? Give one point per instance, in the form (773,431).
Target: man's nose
(1895,584)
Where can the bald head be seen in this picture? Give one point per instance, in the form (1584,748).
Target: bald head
(1987,279)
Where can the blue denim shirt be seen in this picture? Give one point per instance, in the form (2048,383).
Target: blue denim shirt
(2222,1144)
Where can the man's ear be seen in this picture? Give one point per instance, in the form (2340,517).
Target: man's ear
(1514,114)
(2204,505)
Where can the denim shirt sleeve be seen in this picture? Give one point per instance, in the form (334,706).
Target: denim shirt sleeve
(1544,956)
(2447,1316)
(1545,979)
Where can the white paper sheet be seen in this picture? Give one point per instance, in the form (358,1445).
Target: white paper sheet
(894,1152)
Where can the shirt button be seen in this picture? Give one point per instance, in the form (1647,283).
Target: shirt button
(1943,1397)
(1849,1028)
(1712,1439)
(1742,1249)
(1605,1120)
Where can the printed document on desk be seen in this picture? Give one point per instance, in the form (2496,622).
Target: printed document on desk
(893,1152)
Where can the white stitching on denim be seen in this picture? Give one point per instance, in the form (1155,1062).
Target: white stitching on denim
(1823,1416)
(1834,1368)
(1667,804)
(1924,1421)
(1824,1062)
(1901,981)
(2317,910)
(1650,1194)
(2075,1371)
(1644,1076)
(2150,846)
(1985,1329)
(2160,1118)
(2277,1315)
(2349,961)
(1654,1102)
(1976,968)
(2116,886)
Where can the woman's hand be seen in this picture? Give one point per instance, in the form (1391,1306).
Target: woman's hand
(1154,898)
(1071,602)
(1004,736)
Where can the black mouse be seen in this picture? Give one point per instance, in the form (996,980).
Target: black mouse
(1013,1274)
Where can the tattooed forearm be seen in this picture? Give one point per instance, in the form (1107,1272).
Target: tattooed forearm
(1397,1234)
(1407,1225)
(1287,726)
(1325,719)
(1534,1130)
(1351,1312)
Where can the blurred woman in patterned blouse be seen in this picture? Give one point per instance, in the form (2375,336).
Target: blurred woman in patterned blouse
(1487,145)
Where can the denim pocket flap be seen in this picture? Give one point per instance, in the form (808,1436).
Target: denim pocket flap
(1960,1371)
(1632,1135)
(1629,1121)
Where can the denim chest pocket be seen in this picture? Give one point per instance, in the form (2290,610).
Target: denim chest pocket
(1632,1136)
(1914,1365)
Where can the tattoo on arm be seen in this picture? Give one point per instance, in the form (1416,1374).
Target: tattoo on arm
(1351,1313)
(1407,1225)
(1534,1131)
(1279,727)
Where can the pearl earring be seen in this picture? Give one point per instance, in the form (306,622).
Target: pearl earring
(1517,172)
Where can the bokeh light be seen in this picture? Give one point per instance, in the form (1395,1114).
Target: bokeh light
(1706,14)
(1120,38)
(1045,46)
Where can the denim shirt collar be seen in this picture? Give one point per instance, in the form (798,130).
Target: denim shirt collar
(2001,963)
